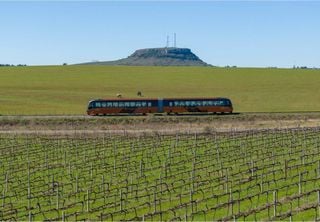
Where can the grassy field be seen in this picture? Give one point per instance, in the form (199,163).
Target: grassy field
(67,89)
(265,175)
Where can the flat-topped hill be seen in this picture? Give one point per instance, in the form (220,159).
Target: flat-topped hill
(157,57)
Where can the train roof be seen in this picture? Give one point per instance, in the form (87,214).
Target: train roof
(195,98)
(125,99)
(153,99)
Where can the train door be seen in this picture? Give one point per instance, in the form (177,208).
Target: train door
(160,105)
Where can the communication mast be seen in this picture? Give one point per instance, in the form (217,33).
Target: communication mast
(167,42)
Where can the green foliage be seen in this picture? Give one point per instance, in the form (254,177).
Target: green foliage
(67,89)
(254,175)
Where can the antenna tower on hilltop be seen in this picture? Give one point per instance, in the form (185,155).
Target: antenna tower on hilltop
(167,42)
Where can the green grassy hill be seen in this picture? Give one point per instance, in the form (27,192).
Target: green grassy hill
(67,89)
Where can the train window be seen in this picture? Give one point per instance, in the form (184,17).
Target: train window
(218,103)
(170,103)
(126,104)
(199,103)
(121,104)
(144,104)
(193,103)
(98,104)
(188,103)
(204,103)
(149,104)
(132,104)
(176,103)
(103,104)
(109,104)
(115,104)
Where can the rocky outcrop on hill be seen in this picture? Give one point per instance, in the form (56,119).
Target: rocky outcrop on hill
(158,57)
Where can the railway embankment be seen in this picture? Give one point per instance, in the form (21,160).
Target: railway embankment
(156,123)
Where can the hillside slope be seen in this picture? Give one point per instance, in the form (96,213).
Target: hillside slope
(53,90)
(157,57)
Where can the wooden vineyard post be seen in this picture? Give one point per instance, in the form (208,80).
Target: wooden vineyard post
(29,189)
(69,169)
(318,168)
(274,203)
(300,180)
(3,197)
(29,197)
(285,169)
(91,170)
(121,200)
(88,198)
(252,167)
(261,183)
(102,184)
(65,158)
(191,200)
(192,174)
(231,201)
(318,217)
(114,165)
(141,168)
(77,183)
(57,198)
(169,154)
(155,201)
(302,158)
(6,181)
(239,203)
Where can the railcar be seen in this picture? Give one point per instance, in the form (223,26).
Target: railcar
(166,105)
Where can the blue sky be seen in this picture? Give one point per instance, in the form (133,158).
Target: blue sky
(246,34)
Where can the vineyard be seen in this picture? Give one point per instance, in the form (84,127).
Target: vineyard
(248,175)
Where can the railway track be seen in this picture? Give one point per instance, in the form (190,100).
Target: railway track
(77,124)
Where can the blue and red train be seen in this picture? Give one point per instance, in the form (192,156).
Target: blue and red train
(167,105)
